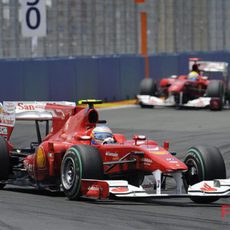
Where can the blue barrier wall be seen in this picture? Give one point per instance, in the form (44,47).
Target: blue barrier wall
(165,65)
(108,78)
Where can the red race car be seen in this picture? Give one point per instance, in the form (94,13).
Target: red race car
(80,156)
(196,89)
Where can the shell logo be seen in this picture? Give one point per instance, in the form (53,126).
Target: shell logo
(40,158)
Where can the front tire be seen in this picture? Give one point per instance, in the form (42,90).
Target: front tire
(144,106)
(148,87)
(204,163)
(215,89)
(4,162)
(80,162)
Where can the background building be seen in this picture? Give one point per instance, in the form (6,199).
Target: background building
(108,27)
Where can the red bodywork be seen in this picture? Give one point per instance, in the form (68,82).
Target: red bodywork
(192,89)
(73,126)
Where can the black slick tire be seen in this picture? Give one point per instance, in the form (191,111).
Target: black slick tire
(204,163)
(80,162)
(4,162)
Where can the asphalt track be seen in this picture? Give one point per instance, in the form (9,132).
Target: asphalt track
(27,209)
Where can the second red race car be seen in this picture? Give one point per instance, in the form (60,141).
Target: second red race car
(197,89)
(80,156)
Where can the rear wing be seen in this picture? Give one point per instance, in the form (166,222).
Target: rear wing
(40,110)
(10,111)
(210,66)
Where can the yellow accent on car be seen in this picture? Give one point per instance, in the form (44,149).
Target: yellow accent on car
(40,158)
(159,152)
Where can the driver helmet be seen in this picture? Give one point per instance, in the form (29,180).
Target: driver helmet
(101,134)
(193,76)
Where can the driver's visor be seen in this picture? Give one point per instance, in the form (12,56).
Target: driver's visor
(102,136)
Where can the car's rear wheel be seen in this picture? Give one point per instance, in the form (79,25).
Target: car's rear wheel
(80,162)
(215,89)
(204,163)
(4,162)
(228,93)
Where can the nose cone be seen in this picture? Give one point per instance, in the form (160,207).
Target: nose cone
(173,164)
(159,158)
(177,86)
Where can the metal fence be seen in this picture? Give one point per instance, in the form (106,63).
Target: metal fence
(110,27)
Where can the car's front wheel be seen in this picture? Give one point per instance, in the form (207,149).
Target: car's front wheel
(80,162)
(204,163)
(148,87)
(4,162)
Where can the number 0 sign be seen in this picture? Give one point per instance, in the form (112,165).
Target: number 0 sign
(33,18)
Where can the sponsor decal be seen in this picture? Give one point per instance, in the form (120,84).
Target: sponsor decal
(94,188)
(159,152)
(148,186)
(146,161)
(94,191)
(28,107)
(140,142)
(200,103)
(3,130)
(9,107)
(7,114)
(110,154)
(172,160)
(151,149)
(155,148)
(152,101)
(22,106)
(7,120)
(208,188)
(120,189)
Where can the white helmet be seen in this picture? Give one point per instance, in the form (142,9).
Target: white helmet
(100,133)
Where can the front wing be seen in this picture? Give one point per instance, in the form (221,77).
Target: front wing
(200,102)
(152,100)
(99,189)
(211,188)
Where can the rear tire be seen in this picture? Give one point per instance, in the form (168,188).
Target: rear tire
(204,163)
(228,93)
(148,87)
(80,162)
(4,161)
(215,89)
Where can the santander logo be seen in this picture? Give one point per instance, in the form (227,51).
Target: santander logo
(208,188)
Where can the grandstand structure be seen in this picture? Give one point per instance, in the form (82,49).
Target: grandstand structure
(113,27)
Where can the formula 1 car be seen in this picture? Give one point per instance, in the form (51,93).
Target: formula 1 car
(66,160)
(181,91)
